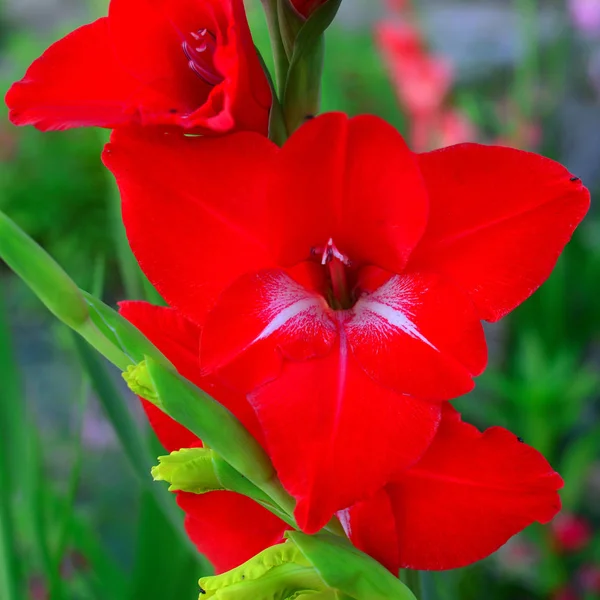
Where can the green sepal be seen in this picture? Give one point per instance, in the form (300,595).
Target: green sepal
(349,570)
(290,24)
(214,424)
(280,572)
(188,470)
(122,333)
(301,99)
(233,480)
(277,129)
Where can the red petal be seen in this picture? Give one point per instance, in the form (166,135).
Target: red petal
(194,209)
(77,82)
(371,526)
(179,340)
(335,436)
(273,315)
(499,220)
(418,335)
(228,528)
(464,499)
(351,180)
(148,41)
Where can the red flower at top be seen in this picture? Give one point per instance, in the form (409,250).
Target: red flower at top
(341,280)
(188,64)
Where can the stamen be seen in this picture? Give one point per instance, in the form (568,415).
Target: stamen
(336,262)
(329,253)
(201,55)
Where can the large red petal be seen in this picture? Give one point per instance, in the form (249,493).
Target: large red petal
(179,340)
(228,528)
(77,82)
(352,180)
(194,210)
(418,335)
(271,315)
(499,220)
(335,436)
(464,499)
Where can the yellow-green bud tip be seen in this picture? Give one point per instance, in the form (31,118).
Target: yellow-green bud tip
(188,470)
(280,571)
(139,381)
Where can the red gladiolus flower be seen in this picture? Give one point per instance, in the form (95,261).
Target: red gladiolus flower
(468,494)
(466,497)
(341,278)
(307,7)
(226,527)
(186,64)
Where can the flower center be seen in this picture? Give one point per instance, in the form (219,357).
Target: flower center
(339,294)
(199,49)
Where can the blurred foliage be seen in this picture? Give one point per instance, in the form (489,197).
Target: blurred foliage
(53,184)
(72,508)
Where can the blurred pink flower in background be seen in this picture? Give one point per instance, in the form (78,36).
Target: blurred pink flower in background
(589,578)
(566,593)
(570,533)
(585,15)
(422,82)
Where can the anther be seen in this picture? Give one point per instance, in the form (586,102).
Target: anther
(200,56)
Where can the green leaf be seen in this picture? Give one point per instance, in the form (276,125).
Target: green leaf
(54,288)
(164,567)
(133,442)
(42,274)
(121,333)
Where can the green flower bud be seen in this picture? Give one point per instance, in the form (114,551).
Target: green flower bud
(140,383)
(188,470)
(278,573)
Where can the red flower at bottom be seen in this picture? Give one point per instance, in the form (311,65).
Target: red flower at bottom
(466,497)
(468,494)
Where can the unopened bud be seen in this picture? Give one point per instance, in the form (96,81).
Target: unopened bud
(280,571)
(140,383)
(188,470)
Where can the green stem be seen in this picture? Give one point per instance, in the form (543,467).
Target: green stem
(412,579)
(279,55)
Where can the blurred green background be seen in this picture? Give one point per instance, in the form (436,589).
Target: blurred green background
(80,518)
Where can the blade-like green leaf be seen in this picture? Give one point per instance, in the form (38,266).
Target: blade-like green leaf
(133,442)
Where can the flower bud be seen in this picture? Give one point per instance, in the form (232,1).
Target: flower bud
(280,571)
(139,382)
(188,470)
